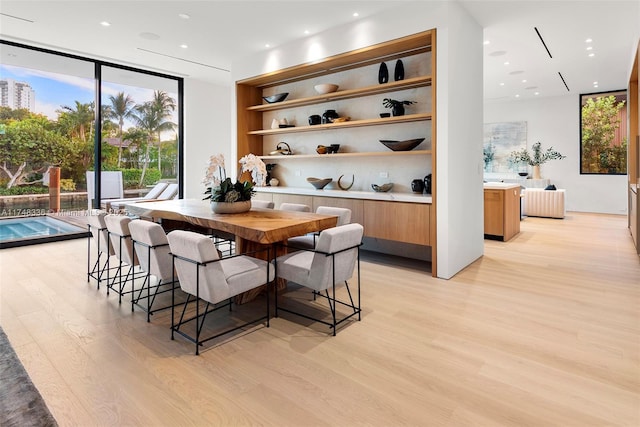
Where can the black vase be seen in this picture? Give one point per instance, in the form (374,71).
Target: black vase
(398,73)
(427,184)
(417,186)
(329,115)
(397,110)
(383,74)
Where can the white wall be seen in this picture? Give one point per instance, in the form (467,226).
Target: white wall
(459,109)
(207,129)
(555,121)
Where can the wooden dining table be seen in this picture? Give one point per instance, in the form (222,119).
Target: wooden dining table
(253,230)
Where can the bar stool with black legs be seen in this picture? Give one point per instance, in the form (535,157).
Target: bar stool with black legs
(99,236)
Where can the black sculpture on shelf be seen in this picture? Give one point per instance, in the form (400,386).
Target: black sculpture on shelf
(270,167)
(427,184)
(383,74)
(398,73)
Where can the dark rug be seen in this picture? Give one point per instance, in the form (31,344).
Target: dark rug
(20,402)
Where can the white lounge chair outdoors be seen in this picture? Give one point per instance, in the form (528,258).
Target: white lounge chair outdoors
(168,193)
(157,189)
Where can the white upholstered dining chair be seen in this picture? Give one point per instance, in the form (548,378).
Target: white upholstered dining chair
(330,265)
(308,241)
(151,246)
(213,280)
(255,203)
(296,207)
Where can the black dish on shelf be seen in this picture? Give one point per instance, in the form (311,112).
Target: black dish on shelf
(523,174)
(407,145)
(278,97)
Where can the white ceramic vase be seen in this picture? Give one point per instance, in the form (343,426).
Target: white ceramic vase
(230,207)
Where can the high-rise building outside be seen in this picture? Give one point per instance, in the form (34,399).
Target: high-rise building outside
(17,95)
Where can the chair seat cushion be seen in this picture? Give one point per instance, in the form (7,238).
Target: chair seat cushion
(296,266)
(244,273)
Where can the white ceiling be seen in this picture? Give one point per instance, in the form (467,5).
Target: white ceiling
(148,34)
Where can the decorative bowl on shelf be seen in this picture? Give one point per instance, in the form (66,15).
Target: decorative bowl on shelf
(382,188)
(407,145)
(278,97)
(319,183)
(523,174)
(325,88)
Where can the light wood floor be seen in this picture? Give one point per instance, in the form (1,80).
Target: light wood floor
(543,330)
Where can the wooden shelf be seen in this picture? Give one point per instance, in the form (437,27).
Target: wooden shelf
(343,125)
(362,154)
(346,94)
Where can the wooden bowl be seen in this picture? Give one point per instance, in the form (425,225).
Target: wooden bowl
(324,88)
(319,183)
(407,145)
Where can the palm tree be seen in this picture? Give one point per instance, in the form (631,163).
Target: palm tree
(79,118)
(122,107)
(165,106)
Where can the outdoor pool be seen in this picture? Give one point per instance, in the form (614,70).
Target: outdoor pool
(37,229)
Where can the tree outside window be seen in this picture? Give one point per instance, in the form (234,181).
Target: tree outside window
(603,133)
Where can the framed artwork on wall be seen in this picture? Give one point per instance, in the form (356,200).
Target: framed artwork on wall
(500,140)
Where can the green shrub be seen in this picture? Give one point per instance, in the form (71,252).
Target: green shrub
(24,189)
(131,177)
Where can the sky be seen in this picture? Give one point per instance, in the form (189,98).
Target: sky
(54,90)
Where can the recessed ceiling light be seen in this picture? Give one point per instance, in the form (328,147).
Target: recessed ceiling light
(524,80)
(184,46)
(184,16)
(356,14)
(592,54)
(267,45)
(595,83)
(306,31)
(506,63)
(588,41)
(517,96)
(486,42)
(589,47)
(536,93)
(105,24)
(501,84)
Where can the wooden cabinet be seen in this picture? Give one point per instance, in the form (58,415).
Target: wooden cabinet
(403,222)
(502,212)
(359,101)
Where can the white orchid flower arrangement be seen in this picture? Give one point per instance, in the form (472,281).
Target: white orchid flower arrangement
(222,189)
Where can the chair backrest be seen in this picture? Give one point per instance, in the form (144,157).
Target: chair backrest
(152,248)
(343,214)
(156,190)
(333,240)
(298,207)
(111,185)
(169,192)
(120,237)
(99,232)
(262,204)
(198,248)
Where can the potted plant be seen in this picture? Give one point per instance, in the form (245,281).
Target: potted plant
(397,107)
(227,196)
(536,158)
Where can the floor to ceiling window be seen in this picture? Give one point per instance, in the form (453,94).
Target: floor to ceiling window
(49,118)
